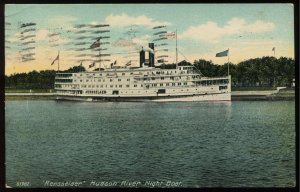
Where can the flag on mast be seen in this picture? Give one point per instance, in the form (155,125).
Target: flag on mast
(56,59)
(128,63)
(92,65)
(95,44)
(170,35)
(273,49)
(223,53)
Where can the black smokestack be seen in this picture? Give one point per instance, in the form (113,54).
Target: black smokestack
(142,57)
(151,55)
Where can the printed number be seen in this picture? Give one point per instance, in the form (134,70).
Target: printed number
(23,184)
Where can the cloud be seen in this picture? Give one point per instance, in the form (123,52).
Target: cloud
(60,20)
(126,20)
(142,41)
(211,32)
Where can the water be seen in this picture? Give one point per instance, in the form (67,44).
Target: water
(183,144)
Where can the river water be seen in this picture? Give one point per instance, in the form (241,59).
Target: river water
(126,144)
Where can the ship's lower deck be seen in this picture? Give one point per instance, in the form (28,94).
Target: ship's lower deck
(222,96)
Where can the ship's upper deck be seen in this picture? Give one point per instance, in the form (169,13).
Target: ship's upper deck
(130,69)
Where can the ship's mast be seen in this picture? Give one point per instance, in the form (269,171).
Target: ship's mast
(99,56)
(176,50)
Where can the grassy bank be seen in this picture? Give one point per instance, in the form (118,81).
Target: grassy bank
(283,95)
(12,90)
(31,97)
(252,88)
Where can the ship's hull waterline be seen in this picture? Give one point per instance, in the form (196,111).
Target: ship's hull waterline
(181,98)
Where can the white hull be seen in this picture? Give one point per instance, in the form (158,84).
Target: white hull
(212,97)
(207,97)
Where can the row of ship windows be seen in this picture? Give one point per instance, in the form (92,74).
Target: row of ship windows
(189,70)
(135,85)
(123,74)
(120,86)
(145,79)
(117,91)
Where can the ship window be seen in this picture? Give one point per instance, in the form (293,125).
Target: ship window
(162,78)
(111,80)
(161,84)
(89,86)
(141,85)
(111,86)
(173,84)
(123,74)
(161,91)
(185,83)
(179,83)
(119,79)
(152,78)
(120,85)
(127,85)
(101,86)
(87,80)
(128,79)
(222,87)
(99,80)
(80,80)
(135,85)
(167,84)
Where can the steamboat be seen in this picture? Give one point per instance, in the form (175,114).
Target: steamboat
(144,83)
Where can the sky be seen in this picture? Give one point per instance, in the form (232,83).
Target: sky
(35,34)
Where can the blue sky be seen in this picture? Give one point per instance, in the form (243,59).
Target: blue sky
(248,30)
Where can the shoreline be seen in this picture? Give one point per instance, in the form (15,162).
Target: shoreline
(271,95)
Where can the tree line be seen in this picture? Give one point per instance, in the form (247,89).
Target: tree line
(260,72)
(36,80)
